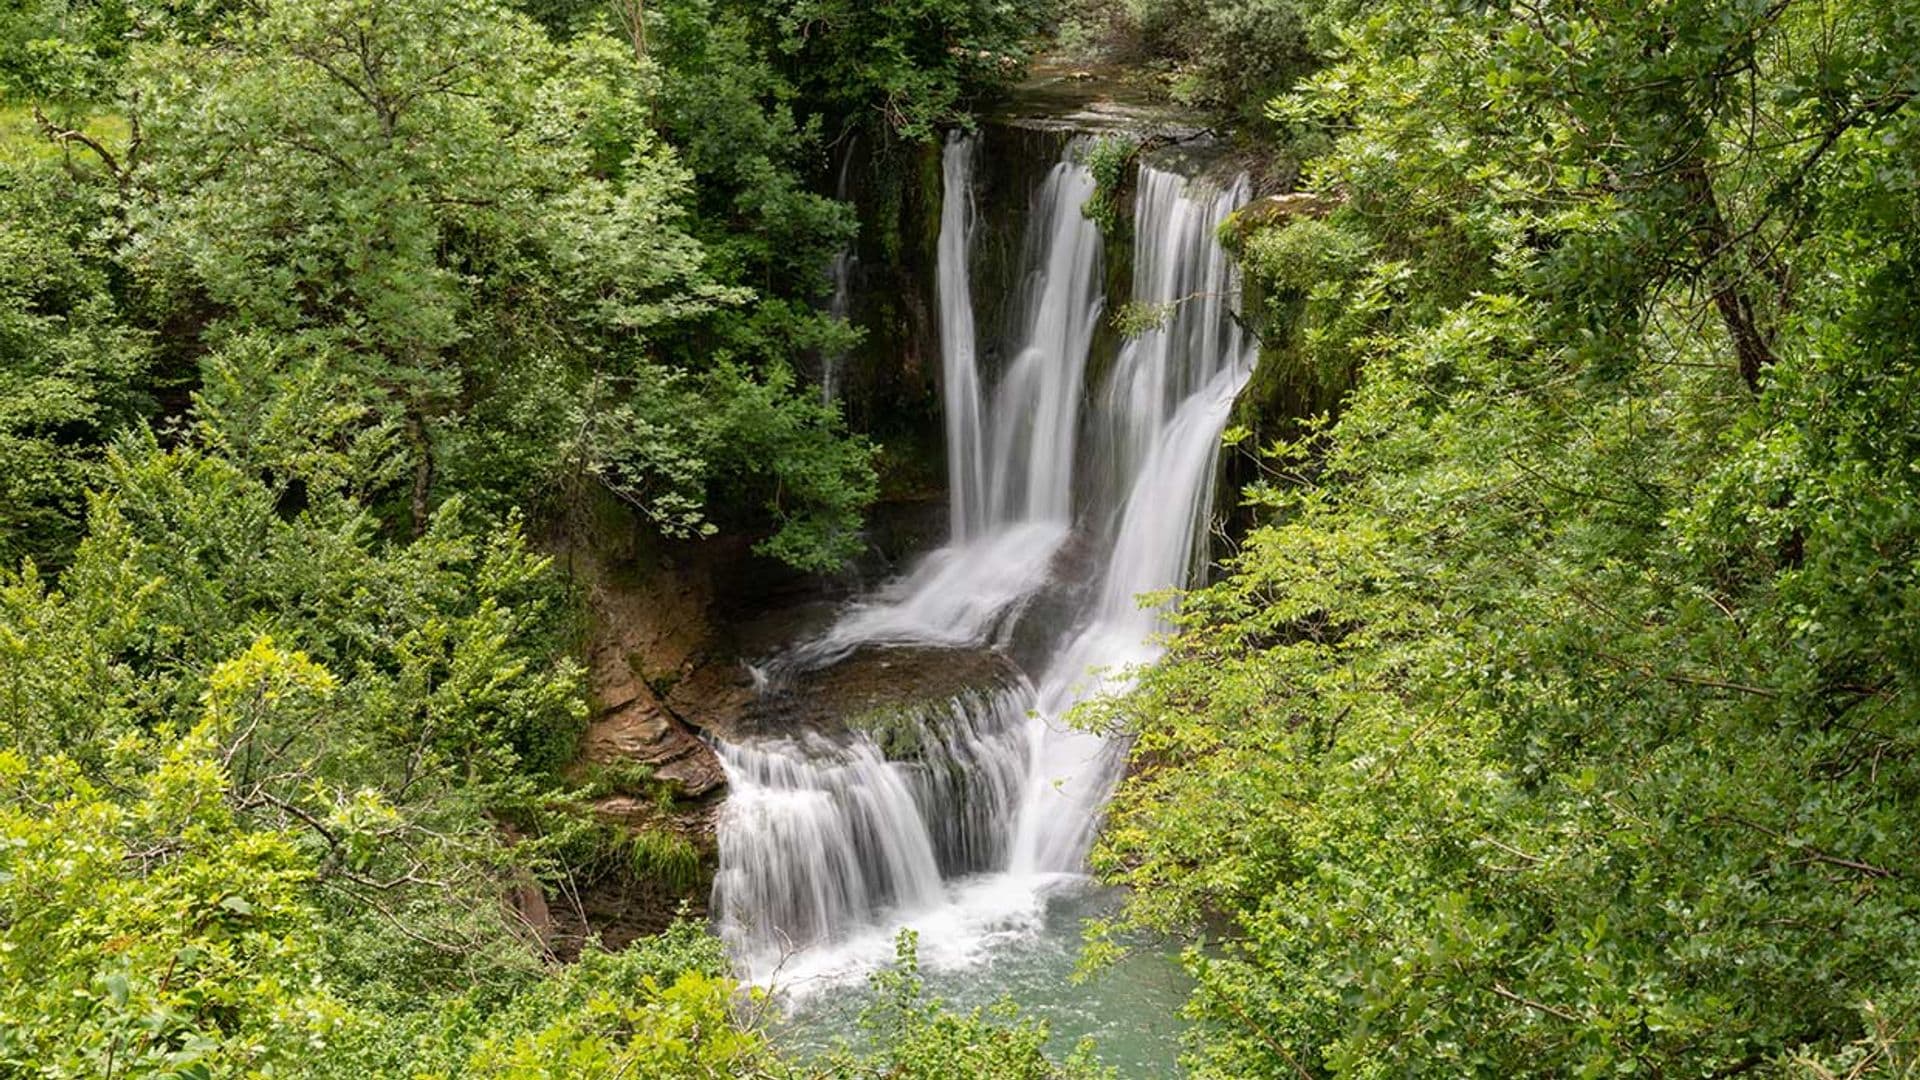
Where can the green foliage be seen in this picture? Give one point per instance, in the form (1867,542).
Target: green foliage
(738,122)
(656,854)
(443,231)
(907,68)
(681,1029)
(149,932)
(810,483)
(296,335)
(1228,56)
(1111,160)
(1320,295)
(483,238)
(491,242)
(1135,319)
(663,1007)
(1304,255)
(480,149)
(61,50)
(71,370)
(1559,718)
(1234,54)
(1092,30)
(622,777)
(144,930)
(450,693)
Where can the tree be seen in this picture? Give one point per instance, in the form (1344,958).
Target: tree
(452,695)
(72,371)
(146,931)
(477,228)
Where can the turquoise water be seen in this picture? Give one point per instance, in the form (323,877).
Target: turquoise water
(1130,1009)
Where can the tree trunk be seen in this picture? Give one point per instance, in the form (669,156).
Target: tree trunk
(419,500)
(1752,344)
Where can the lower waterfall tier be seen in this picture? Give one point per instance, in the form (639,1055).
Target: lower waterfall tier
(824,836)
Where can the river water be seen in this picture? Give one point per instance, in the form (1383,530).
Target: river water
(1130,1010)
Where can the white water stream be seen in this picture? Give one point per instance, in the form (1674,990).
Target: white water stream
(828,848)
(840,280)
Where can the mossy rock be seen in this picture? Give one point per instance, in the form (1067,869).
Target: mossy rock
(899,733)
(891,695)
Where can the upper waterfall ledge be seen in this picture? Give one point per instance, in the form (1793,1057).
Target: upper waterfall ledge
(1061,95)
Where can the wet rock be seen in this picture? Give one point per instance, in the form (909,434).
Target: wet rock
(865,690)
(648,612)
(644,731)
(527,904)
(1094,98)
(1275,210)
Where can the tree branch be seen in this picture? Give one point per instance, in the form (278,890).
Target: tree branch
(67,136)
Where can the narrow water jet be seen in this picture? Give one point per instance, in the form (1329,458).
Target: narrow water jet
(959,356)
(840,279)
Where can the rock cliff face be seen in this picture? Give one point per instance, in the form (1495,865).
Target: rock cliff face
(670,632)
(648,633)
(649,627)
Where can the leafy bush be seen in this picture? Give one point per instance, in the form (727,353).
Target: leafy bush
(148,931)
(144,930)
(72,371)
(52,49)
(906,68)
(449,694)
(504,268)
(1237,54)
(1110,159)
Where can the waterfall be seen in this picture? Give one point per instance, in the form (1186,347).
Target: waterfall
(820,836)
(1182,275)
(827,845)
(1010,469)
(1036,409)
(1162,412)
(960,373)
(812,842)
(840,278)
(1073,771)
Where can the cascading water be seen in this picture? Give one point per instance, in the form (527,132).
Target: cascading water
(1011,469)
(1036,409)
(820,836)
(1072,771)
(960,363)
(840,280)
(1163,409)
(826,846)
(1182,277)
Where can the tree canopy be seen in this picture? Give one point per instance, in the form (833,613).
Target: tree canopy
(1551,710)
(1558,718)
(319,323)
